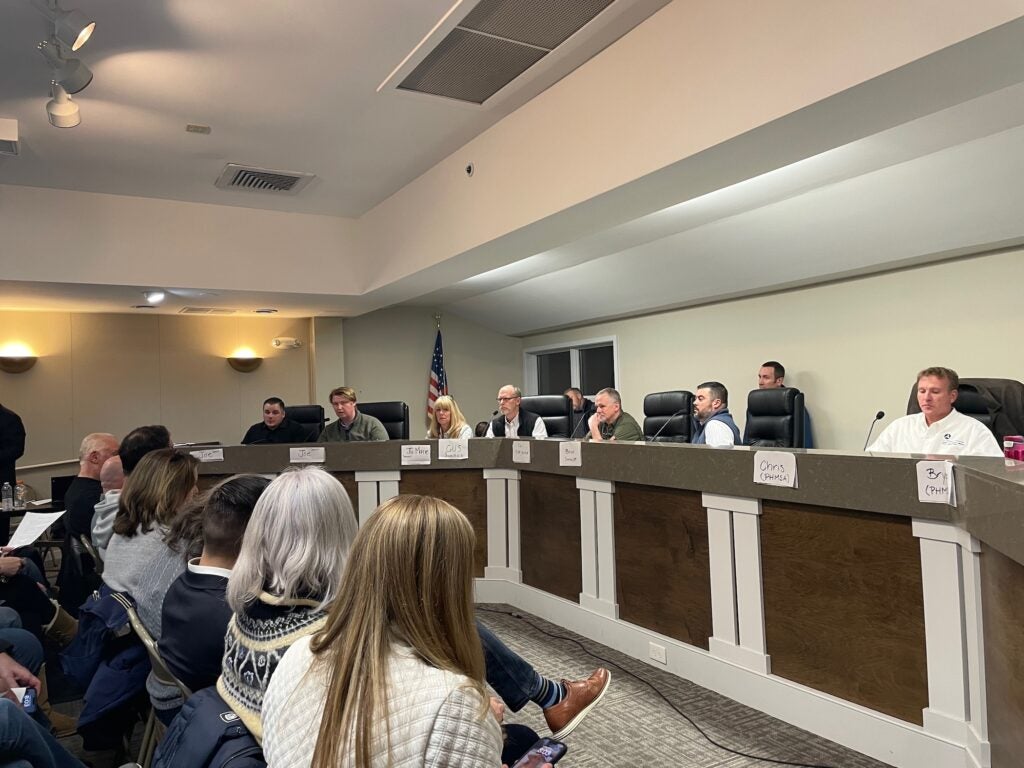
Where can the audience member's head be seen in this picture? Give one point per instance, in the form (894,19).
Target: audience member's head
(771,375)
(481,429)
(343,400)
(273,412)
(111,474)
(446,418)
(408,580)
(509,398)
(156,492)
(141,441)
(297,540)
(711,398)
(576,396)
(96,448)
(937,390)
(215,523)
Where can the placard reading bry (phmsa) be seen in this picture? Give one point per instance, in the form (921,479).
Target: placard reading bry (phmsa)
(935,482)
(775,468)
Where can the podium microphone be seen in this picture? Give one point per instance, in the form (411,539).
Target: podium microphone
(878,417)
(654,437)
(583,419)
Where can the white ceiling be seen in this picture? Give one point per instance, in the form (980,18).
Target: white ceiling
(907,169)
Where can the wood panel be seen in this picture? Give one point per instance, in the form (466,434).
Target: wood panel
(549,525)
(463,488)
(348,480)
(1002,606)
(844,610)
(662,571)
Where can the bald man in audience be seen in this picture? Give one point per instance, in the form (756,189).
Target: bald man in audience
(938,428)
(85,490)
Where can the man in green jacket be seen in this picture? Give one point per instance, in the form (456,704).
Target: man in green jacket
(351,426)
(610,422)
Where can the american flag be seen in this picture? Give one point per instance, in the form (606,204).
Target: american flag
(438,378)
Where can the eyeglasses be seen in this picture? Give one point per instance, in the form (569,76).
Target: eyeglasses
(506,399)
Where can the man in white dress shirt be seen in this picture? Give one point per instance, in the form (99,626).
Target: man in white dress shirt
(512,421)
(938,428)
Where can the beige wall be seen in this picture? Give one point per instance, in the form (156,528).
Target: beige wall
(387,357)
(110,373)
(853,347)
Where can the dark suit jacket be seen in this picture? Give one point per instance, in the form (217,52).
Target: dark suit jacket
(194,619)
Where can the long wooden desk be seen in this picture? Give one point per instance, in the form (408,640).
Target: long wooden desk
(844,606)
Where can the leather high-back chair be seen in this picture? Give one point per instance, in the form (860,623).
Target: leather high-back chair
(775,417)
(996,403)
(309,416)
(668,415)
(556,410)
(393,414)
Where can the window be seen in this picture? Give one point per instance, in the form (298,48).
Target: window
(589,365)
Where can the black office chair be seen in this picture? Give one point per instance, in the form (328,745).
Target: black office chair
(667,416)
(775,418)
(393,414)
(309,416)
(996,403)
(556,410)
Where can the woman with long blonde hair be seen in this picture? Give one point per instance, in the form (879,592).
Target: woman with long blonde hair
(447,421)
(396,677)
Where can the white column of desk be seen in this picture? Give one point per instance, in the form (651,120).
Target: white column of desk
(597,541)
(950,574)
(374,488)
(737,601)
(503,552)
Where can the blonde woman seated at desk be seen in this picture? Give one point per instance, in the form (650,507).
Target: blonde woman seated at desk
(447,421)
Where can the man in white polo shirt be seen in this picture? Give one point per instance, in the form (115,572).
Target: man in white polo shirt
(938,428)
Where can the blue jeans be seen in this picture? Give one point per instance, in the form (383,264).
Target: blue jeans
(27,650)
(24,742)
(508,673)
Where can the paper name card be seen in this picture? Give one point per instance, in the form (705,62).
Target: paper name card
(453,449)
(307,455)
(775,468)
(935,483)
(416,454)
(521,452)
(570,454)
(209,454)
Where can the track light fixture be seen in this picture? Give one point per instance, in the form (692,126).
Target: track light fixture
(71,74)
(73,28)
(61,110)
(154,297)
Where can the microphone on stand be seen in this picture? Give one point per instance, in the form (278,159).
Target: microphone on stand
(654,437)
(878,417)
(583,419)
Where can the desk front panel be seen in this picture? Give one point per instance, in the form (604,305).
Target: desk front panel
(662,572)
(844,607)
(550,541)
(1002,597)
(463,488)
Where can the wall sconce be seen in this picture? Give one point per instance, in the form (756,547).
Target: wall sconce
(16,358)
(244,360)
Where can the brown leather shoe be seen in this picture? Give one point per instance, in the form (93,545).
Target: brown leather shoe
(580,698)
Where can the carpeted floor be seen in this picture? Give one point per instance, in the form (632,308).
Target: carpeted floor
(633,726)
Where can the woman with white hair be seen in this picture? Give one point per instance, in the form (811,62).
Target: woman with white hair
(288,573)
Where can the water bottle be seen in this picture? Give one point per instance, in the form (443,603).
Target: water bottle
(20,491)
(8,498)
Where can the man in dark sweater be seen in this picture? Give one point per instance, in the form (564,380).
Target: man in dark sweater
(276,427)
(195,613)
(85,490)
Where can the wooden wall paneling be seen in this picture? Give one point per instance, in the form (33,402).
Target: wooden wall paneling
(662,571)
(463,488)
(844,610)
(549,524)
(348,480)
(1002,607)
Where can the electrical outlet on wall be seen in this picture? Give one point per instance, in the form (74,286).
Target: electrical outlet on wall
(657,652)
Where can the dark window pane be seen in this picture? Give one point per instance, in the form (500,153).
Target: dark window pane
(597,368)
(553,373)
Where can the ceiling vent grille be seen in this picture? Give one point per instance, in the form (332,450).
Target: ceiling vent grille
(205,311)
(249,178)
(495,43)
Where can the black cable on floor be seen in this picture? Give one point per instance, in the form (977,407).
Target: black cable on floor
(654,688)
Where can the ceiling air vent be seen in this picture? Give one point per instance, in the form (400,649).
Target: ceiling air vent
(205,311)
(495,43)
(247,177)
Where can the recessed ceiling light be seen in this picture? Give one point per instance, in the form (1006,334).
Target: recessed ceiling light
(143,306)
(154,297)
(265,311)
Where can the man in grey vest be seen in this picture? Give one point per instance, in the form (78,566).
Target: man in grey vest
(713,424)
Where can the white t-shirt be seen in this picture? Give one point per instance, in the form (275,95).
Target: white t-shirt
(717,434)
(955,435)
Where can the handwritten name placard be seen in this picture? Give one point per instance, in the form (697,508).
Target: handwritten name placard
(775,468)
(521,452)
(416,454)
(453,449)
(307,455)
(569,454)
(209,454)
(935,482)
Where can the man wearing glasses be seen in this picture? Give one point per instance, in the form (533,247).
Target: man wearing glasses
(512,421)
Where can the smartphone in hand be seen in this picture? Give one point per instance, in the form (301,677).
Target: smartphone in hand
(544,751)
